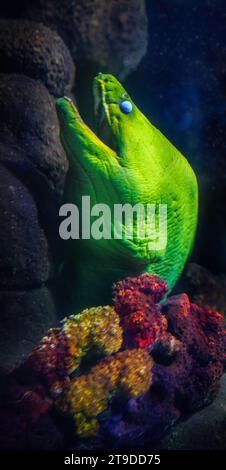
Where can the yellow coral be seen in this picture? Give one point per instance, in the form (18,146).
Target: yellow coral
(97,329)
(85,426)
(126,374)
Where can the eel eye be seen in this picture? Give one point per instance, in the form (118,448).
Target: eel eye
(126,106)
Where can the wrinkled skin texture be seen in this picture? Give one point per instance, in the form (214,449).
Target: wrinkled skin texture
(137,164)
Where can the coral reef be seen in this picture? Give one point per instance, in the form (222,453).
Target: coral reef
(34,50)
(122,374)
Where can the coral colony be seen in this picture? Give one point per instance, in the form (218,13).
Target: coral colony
(121,373)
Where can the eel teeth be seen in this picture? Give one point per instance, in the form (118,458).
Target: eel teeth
(99,111)
(68,99)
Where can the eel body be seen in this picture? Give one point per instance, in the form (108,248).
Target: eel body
(127,161)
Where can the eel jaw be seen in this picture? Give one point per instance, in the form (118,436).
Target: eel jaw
(102,114)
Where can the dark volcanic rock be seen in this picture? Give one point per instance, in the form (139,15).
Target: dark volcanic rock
(25,318)
(32,178)
(43,435)
(207,288)
(34,50)
(29,130)
(32,171)
(204,430)
(112,34)
(24,252)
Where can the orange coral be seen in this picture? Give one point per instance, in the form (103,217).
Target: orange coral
(95,330)
(126,374)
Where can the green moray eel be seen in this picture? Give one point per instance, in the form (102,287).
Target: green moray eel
(128,161)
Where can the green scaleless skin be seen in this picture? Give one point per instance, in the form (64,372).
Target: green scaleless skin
(129,162)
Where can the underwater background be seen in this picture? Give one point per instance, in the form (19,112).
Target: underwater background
(170,56)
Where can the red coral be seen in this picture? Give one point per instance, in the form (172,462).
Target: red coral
(135,301)
(200,329)
(202,334)
(128,293)
(50,361)
(187,341)
(143,328)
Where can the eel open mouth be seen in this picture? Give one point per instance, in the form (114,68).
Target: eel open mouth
(102,112)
